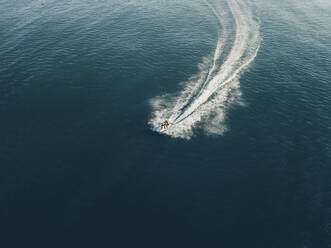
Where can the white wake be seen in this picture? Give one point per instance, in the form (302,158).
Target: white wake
(207,95)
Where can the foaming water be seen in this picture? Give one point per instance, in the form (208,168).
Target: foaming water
(207,95)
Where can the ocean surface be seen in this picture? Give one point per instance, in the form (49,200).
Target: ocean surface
(246,161)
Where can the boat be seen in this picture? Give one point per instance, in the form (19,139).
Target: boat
(162,128)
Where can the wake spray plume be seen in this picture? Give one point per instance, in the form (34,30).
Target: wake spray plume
(207,95)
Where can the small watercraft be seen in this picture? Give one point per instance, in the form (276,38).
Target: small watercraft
(162,128)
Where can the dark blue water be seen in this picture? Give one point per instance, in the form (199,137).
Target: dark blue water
(80,168)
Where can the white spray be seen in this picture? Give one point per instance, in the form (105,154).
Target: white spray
(208,94)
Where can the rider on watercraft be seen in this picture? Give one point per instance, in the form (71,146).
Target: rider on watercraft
(165,124)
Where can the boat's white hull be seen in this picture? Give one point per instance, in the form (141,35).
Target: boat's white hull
(159,129)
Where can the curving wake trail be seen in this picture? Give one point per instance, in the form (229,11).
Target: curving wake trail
(207,95)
